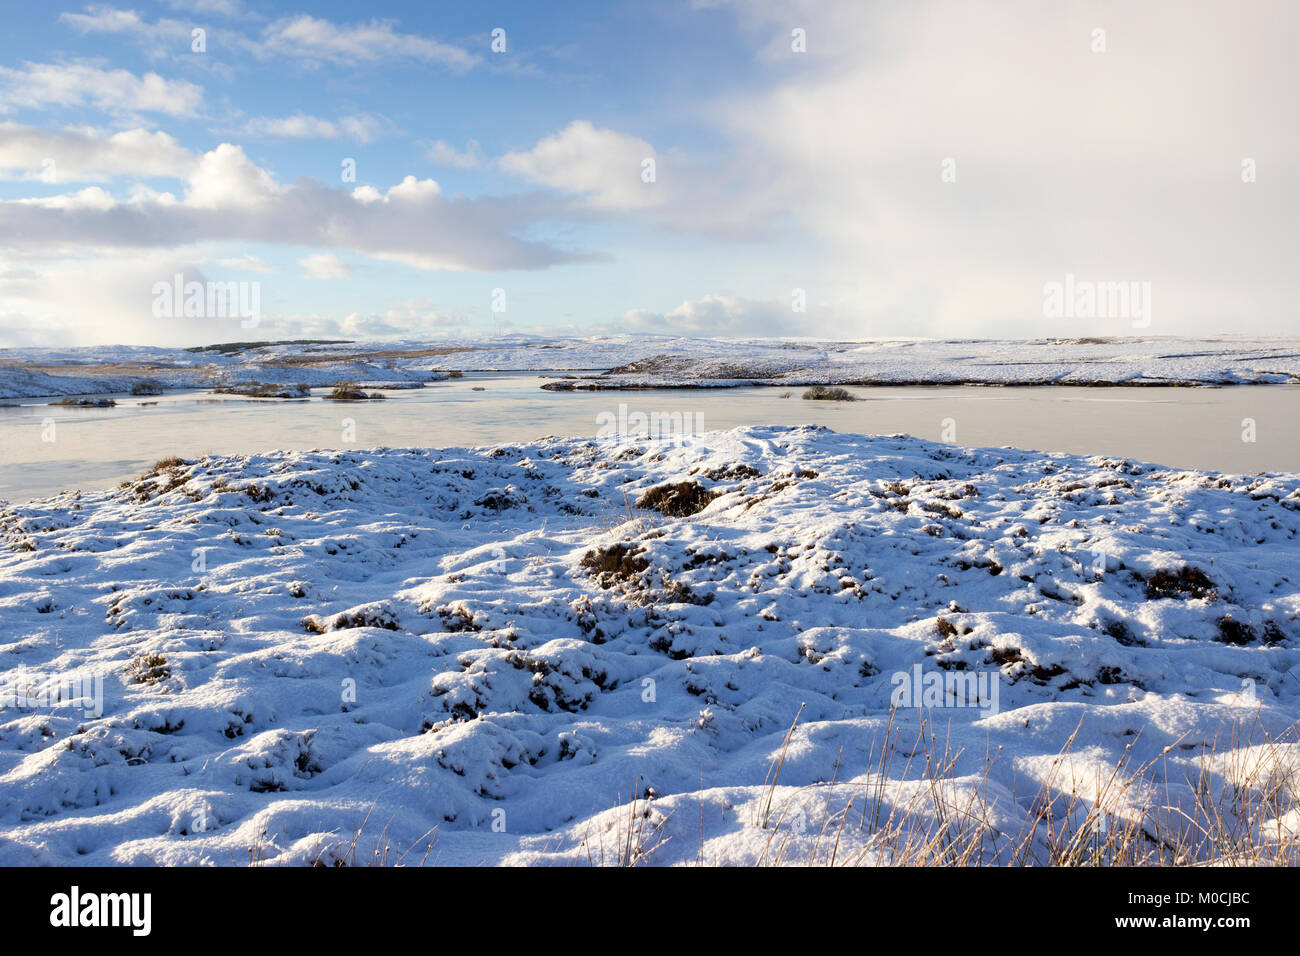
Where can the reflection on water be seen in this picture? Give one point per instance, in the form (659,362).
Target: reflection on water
(1188,428)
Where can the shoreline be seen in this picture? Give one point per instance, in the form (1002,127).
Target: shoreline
(640,362)
(1227,430)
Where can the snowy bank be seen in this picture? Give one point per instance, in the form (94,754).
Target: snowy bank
(481,656)
(657,361)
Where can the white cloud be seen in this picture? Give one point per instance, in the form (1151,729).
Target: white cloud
(229,198)
(411,320)
(324,265)
(87,155)
(298,126)
(42,85)
(361,127)
(600,164)
(160,39)
(91,198)
(310,38)
(444,154)
(99,18)
(107,298)
(414,189)
(226,178)
(248,263)
(721,316)
(1122,165)
(97,299)
(225,8)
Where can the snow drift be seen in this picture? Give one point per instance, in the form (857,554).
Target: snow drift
(594,651)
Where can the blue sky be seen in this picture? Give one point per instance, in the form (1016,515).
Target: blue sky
(796,146)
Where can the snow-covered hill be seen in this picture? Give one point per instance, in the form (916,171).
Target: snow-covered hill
(314,656)
(642,361)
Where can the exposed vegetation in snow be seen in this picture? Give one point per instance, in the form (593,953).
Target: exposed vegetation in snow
(653,652)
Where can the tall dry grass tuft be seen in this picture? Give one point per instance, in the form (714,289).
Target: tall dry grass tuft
(1240,806)
(636,837)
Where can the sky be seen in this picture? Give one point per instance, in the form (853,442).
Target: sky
(838,170)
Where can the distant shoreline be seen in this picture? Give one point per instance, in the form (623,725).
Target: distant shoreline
(660,362)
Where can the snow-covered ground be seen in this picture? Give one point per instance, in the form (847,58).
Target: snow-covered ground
(482,656)
(639,361)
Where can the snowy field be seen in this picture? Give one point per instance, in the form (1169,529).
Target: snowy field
(642,361)
(571,651)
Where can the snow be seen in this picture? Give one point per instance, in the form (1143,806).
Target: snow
(484,655)
(655,361)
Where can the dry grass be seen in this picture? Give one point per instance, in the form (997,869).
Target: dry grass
(627,519)
(1239,807)
(679,499)
(376,850)
(347,392)
(614,564)
(1231,810)
(829,393)
(149,669)
(636,836)
(164,476)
